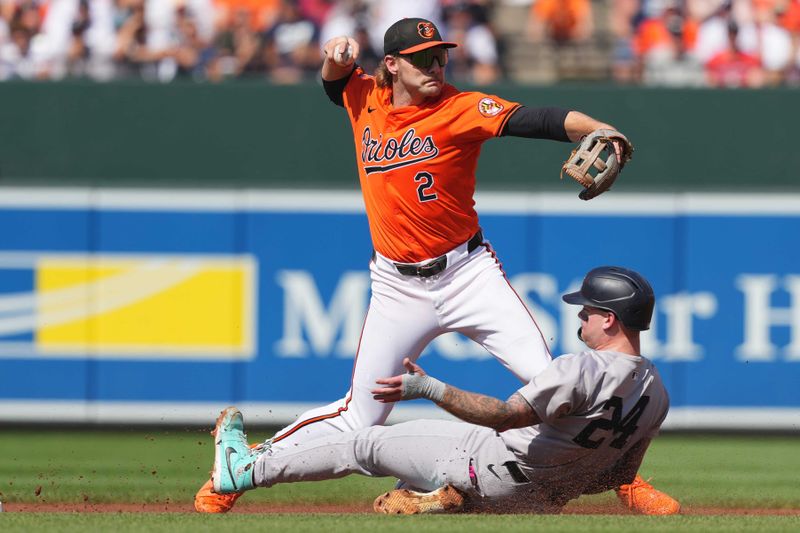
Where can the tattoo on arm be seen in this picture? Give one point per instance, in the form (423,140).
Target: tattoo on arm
(487,411)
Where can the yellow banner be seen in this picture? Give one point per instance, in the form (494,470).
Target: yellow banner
(177,305)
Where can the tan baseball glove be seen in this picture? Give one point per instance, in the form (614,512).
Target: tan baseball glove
(598,151)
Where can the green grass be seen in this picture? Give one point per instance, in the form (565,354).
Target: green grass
(137,467)
(134,466)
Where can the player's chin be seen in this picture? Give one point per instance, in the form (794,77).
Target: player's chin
(432,88)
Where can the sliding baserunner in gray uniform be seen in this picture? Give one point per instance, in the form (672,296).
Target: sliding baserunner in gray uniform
(580,426)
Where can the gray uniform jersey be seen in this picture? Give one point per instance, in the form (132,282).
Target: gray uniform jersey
(594,406)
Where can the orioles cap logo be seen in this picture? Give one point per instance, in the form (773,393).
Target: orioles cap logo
(489,107)
(425,30)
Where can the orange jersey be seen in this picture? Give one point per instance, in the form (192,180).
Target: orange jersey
(417,165)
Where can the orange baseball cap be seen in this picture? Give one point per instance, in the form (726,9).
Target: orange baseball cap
(407,36)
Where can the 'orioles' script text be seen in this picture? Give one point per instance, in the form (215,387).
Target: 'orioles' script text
(394,153)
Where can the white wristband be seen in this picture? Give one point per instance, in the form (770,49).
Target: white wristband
(419,386)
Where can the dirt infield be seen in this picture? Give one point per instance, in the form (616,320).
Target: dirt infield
(366,508)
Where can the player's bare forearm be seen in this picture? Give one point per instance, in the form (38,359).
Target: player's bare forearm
(468,406)
(333,72)
(487,411)
(577,125)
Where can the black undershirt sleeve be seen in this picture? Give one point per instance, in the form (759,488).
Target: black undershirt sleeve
(335,88)
(537,123)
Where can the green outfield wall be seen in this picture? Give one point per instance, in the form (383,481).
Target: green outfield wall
(255,135)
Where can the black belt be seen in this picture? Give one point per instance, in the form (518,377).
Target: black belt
(431,268)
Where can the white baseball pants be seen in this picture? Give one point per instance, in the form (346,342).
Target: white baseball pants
(471,296)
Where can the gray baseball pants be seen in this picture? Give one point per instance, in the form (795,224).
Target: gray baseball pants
(425,454)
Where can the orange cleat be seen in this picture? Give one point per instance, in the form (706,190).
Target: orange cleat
(641,497)
(208,501)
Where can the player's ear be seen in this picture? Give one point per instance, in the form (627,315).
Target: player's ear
(610,321)
(392,64)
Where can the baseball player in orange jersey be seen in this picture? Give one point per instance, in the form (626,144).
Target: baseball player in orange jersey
(417,145)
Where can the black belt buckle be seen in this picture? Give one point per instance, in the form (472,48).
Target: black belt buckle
(438,265)
(424,271)
(434,267)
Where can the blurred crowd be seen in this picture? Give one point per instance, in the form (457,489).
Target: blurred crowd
(726,43)
(214,40)
(721,43)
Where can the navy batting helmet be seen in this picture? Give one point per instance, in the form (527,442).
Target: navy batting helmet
(619,290)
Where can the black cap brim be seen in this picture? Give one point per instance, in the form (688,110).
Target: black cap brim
(576,298)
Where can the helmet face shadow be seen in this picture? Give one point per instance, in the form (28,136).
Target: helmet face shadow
(624,292)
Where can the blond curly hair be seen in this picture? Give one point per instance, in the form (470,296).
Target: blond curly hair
(383,78)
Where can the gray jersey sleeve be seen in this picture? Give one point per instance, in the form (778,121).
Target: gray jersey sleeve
(558,390)
(661,402)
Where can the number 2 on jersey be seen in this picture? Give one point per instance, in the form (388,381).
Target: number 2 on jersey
(624,427)
(425,180)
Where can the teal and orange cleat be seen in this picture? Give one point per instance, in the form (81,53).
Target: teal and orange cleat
(208,501)
(233,457)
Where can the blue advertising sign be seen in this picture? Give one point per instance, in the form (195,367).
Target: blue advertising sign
(157,306)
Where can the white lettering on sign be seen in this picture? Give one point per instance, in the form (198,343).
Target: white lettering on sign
(760,317)
(303,310)
(314,328)
(681,309)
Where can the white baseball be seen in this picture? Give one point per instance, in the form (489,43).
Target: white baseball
(343,57)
